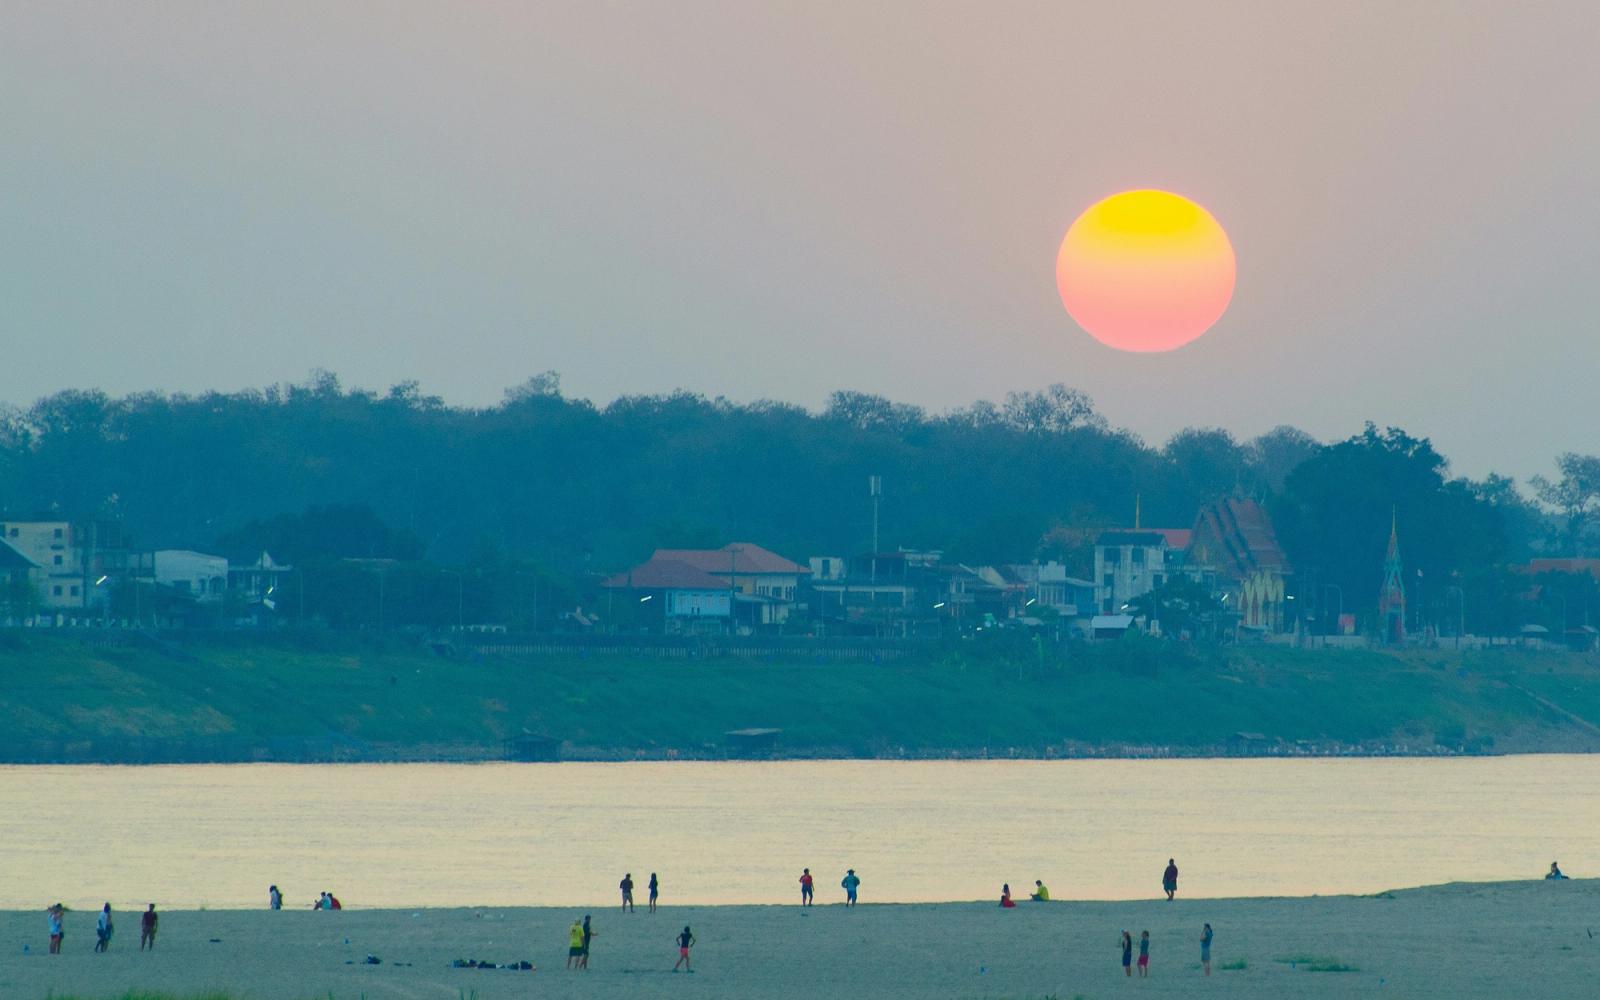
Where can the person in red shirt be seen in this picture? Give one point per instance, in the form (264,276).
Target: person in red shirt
(806,890)
(333,902)
(1005,896)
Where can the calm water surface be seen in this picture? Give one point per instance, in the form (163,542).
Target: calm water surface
(535,834)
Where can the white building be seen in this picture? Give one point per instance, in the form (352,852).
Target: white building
(1130,563)
(54,547)
(193,574)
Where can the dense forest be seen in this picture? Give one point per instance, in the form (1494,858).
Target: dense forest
(564,488)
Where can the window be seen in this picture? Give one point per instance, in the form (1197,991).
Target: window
(1114,557)
(74,591)
(1111,580)
(57,560)
(1138,557)
(13,532)
(1158,580)
(58,532)
(57,590)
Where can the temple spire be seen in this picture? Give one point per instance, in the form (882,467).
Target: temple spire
(1392,598)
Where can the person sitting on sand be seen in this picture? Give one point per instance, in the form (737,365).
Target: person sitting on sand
(333,902)
(806,889)
(56,915)
(1144,955)
(850,883)
(1205,949)
(1169,879)
(1040,893)
(574,943)
(626,885)
(1006,902)
(274,898)
(685,942)
(147,928)
(655,890)
(1127,954)
(103,929)
(1554,872)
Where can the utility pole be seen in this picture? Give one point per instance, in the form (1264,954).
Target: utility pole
(875,489)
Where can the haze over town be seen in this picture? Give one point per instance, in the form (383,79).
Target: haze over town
(780,201)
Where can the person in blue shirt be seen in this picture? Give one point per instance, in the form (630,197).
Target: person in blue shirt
(1554,873)
(1205,949)
(850,883)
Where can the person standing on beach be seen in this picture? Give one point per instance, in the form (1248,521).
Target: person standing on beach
(1205,949)
(1144,955)
(274,898)
(588,935)
(685,942)
(655,890)
(56,914)
(575,943)
(147,928)
(626,885)
(850,884)
(1127,954)
(103,929)
(806,888)
(1169,879)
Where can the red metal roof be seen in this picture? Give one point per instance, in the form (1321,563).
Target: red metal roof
(736,558)
(666,574)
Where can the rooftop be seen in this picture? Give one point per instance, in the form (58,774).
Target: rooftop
(666,574)
(736,557)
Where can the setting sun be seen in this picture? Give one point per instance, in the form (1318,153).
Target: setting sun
(1145,271)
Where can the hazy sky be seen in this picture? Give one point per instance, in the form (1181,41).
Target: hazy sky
(757,200)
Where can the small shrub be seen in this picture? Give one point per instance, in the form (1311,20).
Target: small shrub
(1237,965)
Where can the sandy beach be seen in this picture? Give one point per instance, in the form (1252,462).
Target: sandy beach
(1465,940)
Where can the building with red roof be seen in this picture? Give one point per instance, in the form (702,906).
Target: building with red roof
(1234,550)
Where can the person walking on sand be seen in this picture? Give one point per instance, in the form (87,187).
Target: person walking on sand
(575,944)
(655,890)
(685,942)
(1144,955)
(1205,949)
(807,890)
(147,928)
(1169,879)
(1006,902)
(274,898)
(56,915)
(1127,954)
(1040,893)
(588,935)
(850,883)
(103,929)
(626,885)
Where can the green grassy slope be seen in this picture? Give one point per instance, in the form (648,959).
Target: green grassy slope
(389,697)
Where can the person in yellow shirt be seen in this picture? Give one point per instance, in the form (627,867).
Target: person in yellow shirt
(574,942)
(1040,893)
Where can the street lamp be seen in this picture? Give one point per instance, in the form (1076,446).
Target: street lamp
(1340,591)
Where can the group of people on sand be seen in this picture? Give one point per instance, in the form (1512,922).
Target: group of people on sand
(808,887)
(581,935)
(1126,944)
(104,928)
(1041,892)
(626,885)
(327,901)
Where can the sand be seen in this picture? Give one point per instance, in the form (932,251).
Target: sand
(1523,939)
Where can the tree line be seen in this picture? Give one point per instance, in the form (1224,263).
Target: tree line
(550,490)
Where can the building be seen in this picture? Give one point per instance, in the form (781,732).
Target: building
(19,593)
(673,597)
(1047,585)
(1131,562)
(1392,595)
(74,559)
(1234,552)
(259,584)
(765,585)
(202,578)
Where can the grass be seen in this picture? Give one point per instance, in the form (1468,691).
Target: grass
(366,696)
(1237,965)
(1316,963)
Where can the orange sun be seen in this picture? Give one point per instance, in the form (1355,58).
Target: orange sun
(1145,271)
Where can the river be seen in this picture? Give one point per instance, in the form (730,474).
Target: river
(406,835)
